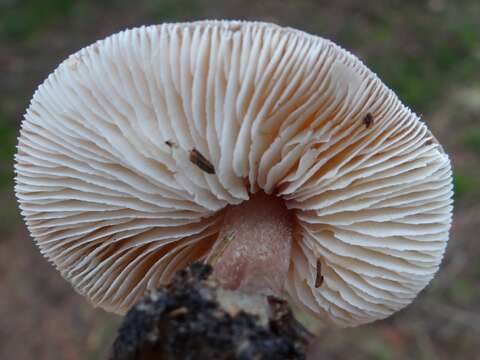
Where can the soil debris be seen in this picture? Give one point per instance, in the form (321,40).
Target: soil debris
(186,320)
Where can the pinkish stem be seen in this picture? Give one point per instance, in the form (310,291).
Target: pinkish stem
(258,257)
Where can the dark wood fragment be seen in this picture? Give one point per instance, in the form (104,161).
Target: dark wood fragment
(201,161)
(185,320)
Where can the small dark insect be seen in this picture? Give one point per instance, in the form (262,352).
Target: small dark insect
(198,159)
(368,120)
(429,142)
(170,143)
(319,278)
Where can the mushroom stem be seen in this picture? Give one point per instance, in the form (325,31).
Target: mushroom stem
(252,253)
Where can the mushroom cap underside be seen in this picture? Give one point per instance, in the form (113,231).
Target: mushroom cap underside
(110,194)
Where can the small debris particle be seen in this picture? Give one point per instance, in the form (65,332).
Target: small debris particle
(219,250)
(319,277)
(429,142)
(368,120)
(170,143)
(278,307)
(198,159)
(178,311)
(235,27)
(72,64)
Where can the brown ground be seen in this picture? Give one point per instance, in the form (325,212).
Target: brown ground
(428,51)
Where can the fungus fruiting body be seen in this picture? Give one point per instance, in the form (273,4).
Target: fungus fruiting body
(141,152)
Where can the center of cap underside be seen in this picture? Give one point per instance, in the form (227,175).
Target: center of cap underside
(256,237)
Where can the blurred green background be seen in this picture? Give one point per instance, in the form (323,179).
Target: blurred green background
(427,51)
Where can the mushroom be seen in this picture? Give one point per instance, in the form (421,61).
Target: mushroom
(145,151)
